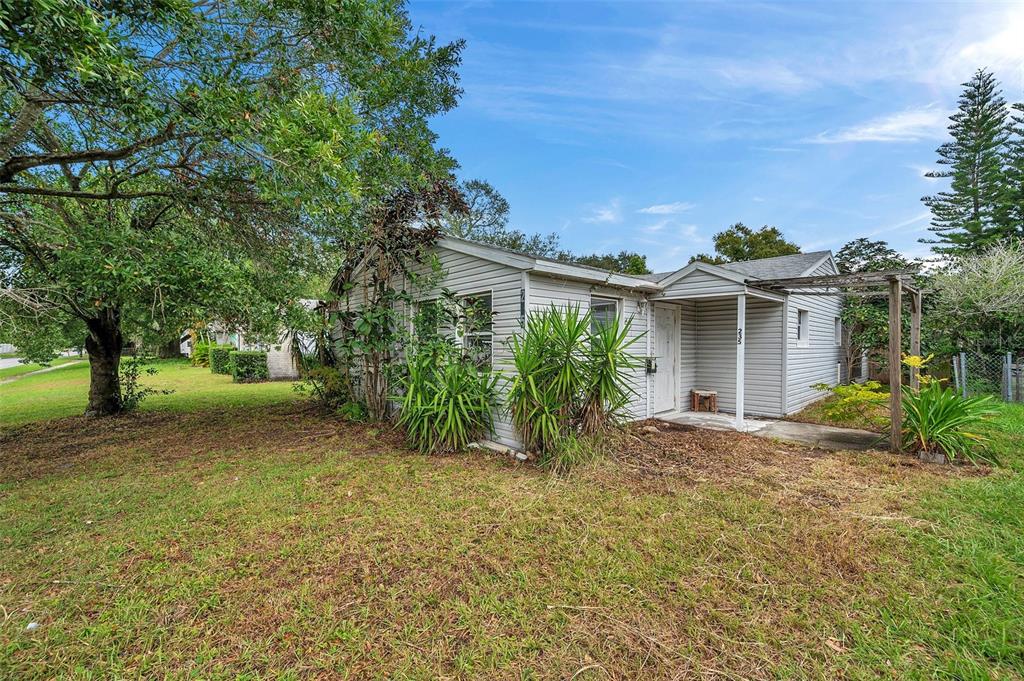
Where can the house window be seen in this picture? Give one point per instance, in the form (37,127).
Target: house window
(803,331)
(478,328)
(838,331)
(603,312)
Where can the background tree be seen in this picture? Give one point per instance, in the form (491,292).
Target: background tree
(195,157)
(1013,193)
(739,243)
(866,320)
(972,213)
(626,262)
(485,220)
(979,300)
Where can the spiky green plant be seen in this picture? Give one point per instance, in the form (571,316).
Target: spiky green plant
(569,377)
(608,392)
(447,403)
(937,419)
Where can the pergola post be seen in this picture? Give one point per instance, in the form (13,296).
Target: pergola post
(895,367)
(741,342)
(915,336)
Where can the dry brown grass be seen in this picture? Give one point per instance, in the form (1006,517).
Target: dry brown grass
(275,542)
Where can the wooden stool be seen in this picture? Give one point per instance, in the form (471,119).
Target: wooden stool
(704,400)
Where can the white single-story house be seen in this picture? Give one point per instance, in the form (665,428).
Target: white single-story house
(701,327)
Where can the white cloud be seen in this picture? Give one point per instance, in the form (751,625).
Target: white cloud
(667,208)
(902,225)
(610,212)
(912,125)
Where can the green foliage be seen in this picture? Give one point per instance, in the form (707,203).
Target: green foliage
(938,420)
(201,354)
(626,262)
(569,378)
(866,320)
(326,387)
(220,358)
(856,403)
(448,402)
(974,213)
(134,393)
(163,163)
(739,243)
(248,366)
(978,300)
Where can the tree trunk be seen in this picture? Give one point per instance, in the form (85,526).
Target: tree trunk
(104,343)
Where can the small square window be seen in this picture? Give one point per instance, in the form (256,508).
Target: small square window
(803,331)
(603,312)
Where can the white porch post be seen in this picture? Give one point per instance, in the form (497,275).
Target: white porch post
(741,342)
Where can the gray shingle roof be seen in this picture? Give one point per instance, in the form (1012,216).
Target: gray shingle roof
(779,267)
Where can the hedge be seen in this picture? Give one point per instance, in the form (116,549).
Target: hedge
(220,358)
(249,366)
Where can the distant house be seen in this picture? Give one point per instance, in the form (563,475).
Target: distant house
(702,327)
(282,360)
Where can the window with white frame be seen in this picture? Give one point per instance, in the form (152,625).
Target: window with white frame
(803,330)
(603,312)
(477,332)
(838,332)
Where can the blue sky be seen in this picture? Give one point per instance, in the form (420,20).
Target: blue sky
(650,127)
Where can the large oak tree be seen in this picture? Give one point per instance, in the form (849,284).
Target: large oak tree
(170,161)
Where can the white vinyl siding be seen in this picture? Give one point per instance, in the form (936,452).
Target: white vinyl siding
(687,352)
(815,361)
(698,284)
(716,354)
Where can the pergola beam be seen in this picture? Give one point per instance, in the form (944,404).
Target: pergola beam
(854,279)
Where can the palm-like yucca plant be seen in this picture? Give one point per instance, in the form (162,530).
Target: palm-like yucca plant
(448,402)
(569,379)
(937,419)
(608,392)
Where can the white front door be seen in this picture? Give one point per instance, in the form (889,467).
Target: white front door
(666,353)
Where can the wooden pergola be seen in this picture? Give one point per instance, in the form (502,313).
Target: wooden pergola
(893,284)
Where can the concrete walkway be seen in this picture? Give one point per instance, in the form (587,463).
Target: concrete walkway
(37,371)
(825,437)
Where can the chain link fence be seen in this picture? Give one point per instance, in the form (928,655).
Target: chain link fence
(1000,376)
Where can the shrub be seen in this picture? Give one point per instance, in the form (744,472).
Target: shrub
(201,354)
(248,366)
(938,420)
(859,404)
(220,358)
(132,392)
(326,386)
(569,379)
(447,402)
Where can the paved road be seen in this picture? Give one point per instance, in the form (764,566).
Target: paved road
(8,362)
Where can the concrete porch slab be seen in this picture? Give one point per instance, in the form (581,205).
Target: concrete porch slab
(825,437)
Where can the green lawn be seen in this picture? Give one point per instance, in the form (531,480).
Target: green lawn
(11,372)
(65,392)
(264,540)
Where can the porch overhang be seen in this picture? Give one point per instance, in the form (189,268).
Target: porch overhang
(753,292)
